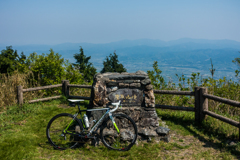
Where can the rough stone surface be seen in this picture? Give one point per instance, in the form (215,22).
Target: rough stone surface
(122,77)
(141,72)
(146,81)
(100,93)
(149,87)
(147,132)
(109,90)
(138,102)
(114,88)
(149,98)
(135,85)
(162,130)
(123,85)
(112,83)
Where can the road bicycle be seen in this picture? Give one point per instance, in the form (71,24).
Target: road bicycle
(117,131)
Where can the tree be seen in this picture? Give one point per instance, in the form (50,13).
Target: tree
(49,68)
(157,79)
(85,67)
(212,70)
(111,64)
(237,62)
(11,61)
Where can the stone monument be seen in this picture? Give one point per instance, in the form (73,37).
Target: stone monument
(137,97)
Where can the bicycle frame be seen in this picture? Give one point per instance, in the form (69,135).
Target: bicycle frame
(97,124)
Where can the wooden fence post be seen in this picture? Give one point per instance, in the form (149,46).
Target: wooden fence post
(63,87)
(203,103)
(197,104)
(20,94)
(66,88)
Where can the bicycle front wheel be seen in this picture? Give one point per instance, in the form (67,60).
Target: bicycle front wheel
(62,131)
(119,136)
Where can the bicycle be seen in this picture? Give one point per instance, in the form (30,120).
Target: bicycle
(117,131)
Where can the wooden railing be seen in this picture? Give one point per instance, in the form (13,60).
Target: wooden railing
(200,94)
(65,91)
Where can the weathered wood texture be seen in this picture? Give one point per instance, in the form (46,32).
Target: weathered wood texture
(20,95)
(80,86)
(63,87)
(66,88)
(222,118)
(79,97)
(41,88)
(44,99)
(175,107)
(197,104)
(223,100)
(203,103)
(173,92)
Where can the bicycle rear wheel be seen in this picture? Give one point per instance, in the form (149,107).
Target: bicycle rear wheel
(62,131)
(122,140)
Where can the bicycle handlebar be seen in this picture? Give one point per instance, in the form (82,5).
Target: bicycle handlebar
(115,104)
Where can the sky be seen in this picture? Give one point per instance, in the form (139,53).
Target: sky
(103,21)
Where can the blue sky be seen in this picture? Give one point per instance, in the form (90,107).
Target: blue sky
(103,21)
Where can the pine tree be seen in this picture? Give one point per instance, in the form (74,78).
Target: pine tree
(212,70)
(11,61)
(111,64)
(85,67)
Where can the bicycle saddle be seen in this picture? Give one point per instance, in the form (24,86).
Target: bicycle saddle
(75,100)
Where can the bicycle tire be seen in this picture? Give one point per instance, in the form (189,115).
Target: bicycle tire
(126,137)
(57,137)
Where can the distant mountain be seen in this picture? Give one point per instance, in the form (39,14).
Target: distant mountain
(178,56)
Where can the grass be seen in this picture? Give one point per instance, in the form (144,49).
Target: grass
(23,136)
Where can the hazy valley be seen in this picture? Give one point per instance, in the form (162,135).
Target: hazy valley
(182,56)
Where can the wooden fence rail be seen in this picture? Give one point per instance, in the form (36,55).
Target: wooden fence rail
(65,90)
(173,92)
(223,100)
(200,94)
(41,88)
(175,108)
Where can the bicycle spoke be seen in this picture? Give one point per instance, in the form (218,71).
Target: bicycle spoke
(61,132)
(125,138)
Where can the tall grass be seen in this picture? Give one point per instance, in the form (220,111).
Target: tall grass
(9,83)
(8,87)
(221,87)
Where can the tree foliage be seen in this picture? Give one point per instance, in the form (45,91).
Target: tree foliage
(156,78)
(212,70)
(237,62)
(84,66)
(111,64)
(48,69)
(11,61)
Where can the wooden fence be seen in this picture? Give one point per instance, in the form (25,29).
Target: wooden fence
(200,93)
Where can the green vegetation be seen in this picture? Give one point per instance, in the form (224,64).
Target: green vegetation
(23,136)
(111,64)
(221,87)
(11,61)
(84,66)
(47,68)
(157,80)
(237,62)
(22,129)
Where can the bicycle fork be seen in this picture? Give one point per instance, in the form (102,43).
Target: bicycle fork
(64,131)
(114,123)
